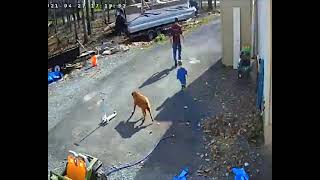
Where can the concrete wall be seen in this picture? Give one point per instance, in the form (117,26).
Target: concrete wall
(265,52)
(227,27)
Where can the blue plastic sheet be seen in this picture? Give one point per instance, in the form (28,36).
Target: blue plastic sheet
(182,175)
(54,76)
(240,174)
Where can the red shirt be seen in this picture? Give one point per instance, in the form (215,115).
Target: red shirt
(175,32)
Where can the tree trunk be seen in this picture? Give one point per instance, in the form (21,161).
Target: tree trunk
(215,5)
(92,4)
(69,19)
(129,2)
(75,24)
(85,35)
(78,16)
(210,5)
(67,13)
(62,14)
(88,17)
(103,12)
(108,10)
(55,21)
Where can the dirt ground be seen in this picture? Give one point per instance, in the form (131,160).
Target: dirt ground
(233,129)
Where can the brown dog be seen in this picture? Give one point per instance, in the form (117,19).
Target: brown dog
(143,102)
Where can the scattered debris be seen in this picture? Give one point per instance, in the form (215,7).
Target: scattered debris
(99,102)
(188,20)
(257,170)
(107,45)
(107,52)
(194,61)
(200,171)
(77,65)
(140,44)
(66,77)
(203,172)
(233,135)
(123,47)
(109,27)
(211,142)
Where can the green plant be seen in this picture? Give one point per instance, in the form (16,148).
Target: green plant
(161,37)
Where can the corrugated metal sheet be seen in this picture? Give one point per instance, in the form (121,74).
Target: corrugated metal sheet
(157,17)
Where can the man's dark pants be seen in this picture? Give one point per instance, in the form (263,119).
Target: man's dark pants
(175,47)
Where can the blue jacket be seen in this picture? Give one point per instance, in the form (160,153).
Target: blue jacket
(181,75)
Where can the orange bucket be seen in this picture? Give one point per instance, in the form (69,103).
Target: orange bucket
(94,60)
(76,168)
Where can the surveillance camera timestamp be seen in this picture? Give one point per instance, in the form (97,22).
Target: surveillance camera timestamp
(77,5)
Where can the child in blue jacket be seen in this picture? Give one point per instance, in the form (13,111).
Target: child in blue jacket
(181,75)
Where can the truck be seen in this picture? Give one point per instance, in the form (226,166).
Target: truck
(151,23)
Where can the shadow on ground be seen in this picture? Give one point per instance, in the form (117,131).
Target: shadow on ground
(129,128)
(266,168)
(157,76)
(185,110)
(215,92)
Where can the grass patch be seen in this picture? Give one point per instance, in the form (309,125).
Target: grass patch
(191,26)
(161,38)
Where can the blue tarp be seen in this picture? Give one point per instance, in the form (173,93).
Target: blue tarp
(183,175)
(240,174)
(54,76)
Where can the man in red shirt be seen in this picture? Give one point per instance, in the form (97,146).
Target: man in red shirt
(175,33)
